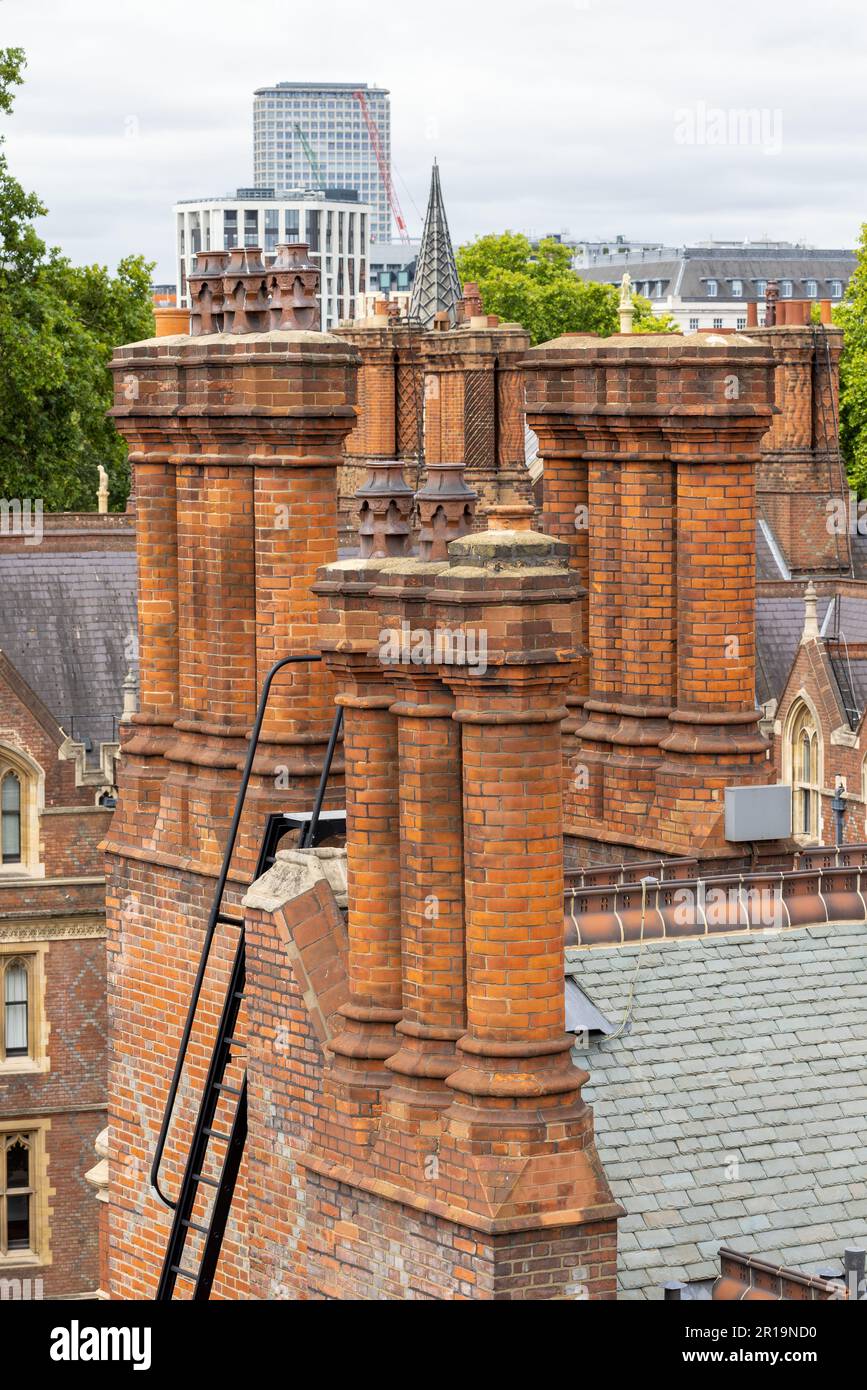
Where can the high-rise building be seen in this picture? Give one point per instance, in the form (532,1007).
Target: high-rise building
(320,132)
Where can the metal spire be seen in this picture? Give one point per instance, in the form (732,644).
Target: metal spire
(436,286)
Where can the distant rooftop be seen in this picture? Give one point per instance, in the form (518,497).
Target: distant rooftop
(287,195)
(321,87)
(727,250)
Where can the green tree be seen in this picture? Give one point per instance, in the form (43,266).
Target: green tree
(851,316)
(58,325)
(537,287)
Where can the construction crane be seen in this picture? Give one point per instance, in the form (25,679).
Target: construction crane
(310,156)
(384,171)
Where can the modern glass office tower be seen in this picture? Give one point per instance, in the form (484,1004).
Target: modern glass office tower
(318,133)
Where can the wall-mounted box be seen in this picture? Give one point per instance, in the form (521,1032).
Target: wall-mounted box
(759,813)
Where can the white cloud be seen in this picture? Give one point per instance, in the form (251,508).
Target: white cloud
(546,115)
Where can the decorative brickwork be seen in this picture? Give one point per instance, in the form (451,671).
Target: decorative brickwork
(801,470)
(390,406)
(53,1067)
(456,1133)
(235,441)
(653,449)
(474,407)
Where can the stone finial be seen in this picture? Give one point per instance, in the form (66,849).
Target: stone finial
(102,490)
(294,281)
(384,509)
(446,507)
(205,286)
(245,292)
(811,625)
(772,294)
(130,697)
(627,308)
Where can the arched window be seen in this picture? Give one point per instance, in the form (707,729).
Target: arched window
(21,802)
(16,1193)
(10,813)
(16,1003)
(804,756)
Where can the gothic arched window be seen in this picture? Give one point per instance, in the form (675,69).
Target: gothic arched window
(805,760)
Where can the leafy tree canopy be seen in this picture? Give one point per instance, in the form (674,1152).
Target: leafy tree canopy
(58,325)
(851,316)
(537,287)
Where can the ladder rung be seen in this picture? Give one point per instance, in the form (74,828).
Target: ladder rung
(217,1134)
(200,1177)
(227,1090)
(238,994)
(234,1042)
(229,920)
(194,1226)
(187,1274)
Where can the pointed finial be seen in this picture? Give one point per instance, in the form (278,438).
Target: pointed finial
(435,287)
(130,697)
(627,308)
(811,626)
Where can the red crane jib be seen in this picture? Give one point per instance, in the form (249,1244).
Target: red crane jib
(384,172)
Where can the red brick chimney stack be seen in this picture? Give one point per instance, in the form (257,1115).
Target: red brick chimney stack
(453,1099)
(800,468)
(651,447)
(235,439)
(390,404)
(474,404)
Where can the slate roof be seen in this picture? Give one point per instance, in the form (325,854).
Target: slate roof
(68,625)
(743,1049)
(687,276)
(779,624)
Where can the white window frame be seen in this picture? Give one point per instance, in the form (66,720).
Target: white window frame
(32,956)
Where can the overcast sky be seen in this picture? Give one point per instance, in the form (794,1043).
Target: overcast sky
(600,116)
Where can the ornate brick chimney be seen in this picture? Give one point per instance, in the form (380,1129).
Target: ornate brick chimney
(651,447)
(235,438)
(451,1126)
(801,468)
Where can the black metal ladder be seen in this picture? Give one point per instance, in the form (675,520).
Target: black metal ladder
(231,1136)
